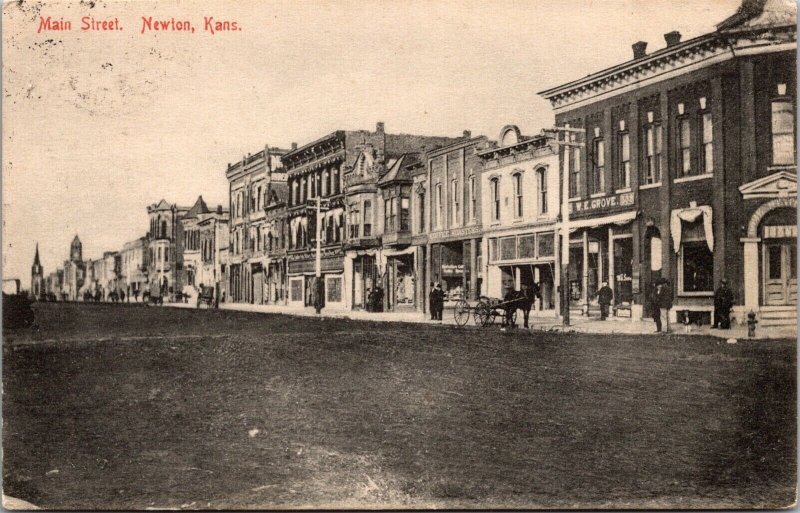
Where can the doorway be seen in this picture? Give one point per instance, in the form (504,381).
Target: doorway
(780,273)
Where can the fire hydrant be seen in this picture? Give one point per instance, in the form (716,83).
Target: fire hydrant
(751,324)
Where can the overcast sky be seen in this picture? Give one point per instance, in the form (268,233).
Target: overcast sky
(96,126)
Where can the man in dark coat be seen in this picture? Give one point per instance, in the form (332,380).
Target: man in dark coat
(652,304)
(723,302)
(432,296)
(511,303)
(664,298)
(604,297)
(439,301)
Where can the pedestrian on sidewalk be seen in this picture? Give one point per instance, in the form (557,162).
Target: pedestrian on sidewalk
(664,295)
(723,302)
(527,296)
(432,301)
(652,304)
(604,297)
(370,299)
(439,301)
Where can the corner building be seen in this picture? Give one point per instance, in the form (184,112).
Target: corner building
(688,171)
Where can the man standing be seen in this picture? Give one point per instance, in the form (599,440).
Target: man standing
(664,296)
(527,296)
(439,301)
(432,301)
(652,304)
(604,297)
(723,302)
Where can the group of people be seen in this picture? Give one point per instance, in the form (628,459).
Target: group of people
(659,301)
(375,299)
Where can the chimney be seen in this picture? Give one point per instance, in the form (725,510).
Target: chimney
(294,146)
(379,127)
(467,134)
(672,38)
(639,49)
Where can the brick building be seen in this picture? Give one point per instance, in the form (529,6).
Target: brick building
(249,184)
(165,247)
(688,171)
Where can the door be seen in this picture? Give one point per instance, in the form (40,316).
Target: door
(780,273)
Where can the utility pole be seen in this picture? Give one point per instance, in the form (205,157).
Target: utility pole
(567,143)
(319,289)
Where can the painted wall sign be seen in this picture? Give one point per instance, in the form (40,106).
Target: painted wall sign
(599,204)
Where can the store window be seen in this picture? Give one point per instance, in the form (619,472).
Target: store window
(527,246)
(695,262)
(508,248)
(333,289)
(546,245)
(783,138)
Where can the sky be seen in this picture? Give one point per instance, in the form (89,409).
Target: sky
(99,124)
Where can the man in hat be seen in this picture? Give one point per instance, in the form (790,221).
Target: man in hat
(723,302)
(664,302)
(604,297)
(439,301)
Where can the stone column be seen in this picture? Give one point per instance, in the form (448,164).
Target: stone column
(751,274)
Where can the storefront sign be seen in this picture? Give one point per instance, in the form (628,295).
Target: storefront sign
(599,204)
(452,270)
(307,266)
(455,233)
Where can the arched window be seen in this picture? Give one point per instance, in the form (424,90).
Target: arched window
(517,194)
(494,185)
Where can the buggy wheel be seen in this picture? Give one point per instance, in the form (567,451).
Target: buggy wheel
(461,312)
(482,314)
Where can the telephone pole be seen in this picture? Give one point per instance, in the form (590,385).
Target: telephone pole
(567,138)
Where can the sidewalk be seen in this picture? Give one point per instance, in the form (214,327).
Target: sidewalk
(578,324)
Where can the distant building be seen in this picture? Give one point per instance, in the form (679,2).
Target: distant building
(165,246)
(37,277)
(249,184)
(212,232)
(135,259)
(74,271)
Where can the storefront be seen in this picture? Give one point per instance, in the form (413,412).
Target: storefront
(523,259)
(302,279)
(276,281)
(401,280)
(366,277)
(452,264)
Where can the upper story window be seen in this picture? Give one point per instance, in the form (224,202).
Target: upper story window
(685,147)
(326,186)
(367,218)
(574,163)
(708,142)
(541,176)
(599,167)
(455,202)
(624,171)
(517,178)
(355,222)
(335,183)
(782,128)
(421,211)
(437,208)
(473,199)
(653,144)
(405,204)
(388,214)
(494,185)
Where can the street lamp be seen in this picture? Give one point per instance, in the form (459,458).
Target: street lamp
(569,140)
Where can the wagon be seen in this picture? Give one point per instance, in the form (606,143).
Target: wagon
(485,311)
(206,297)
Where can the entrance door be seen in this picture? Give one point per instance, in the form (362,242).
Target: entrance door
(780,273)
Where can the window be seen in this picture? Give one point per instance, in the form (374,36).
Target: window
(495,187)
(437,209)
(541,175)
(367,218)
(326,187)
(696,267)
(517,194)
(708,143)
(508,248)
(421,197)
(624,177)
(653,154)
(355,222)
(783,145)
(454,218)
(472,199)
(258,195)
(574,171)
(388,213)
(599,167)
(404,213)
(492,249)
(684,147)
(527,246)
(333,289)
(335,184)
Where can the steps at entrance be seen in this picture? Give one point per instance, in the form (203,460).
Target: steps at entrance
(777,316)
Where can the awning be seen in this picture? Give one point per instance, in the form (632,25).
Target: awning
(618,219)
(399,252)
(690,215)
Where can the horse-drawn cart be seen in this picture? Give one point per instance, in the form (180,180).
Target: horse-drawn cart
(206,297)
(485,311)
